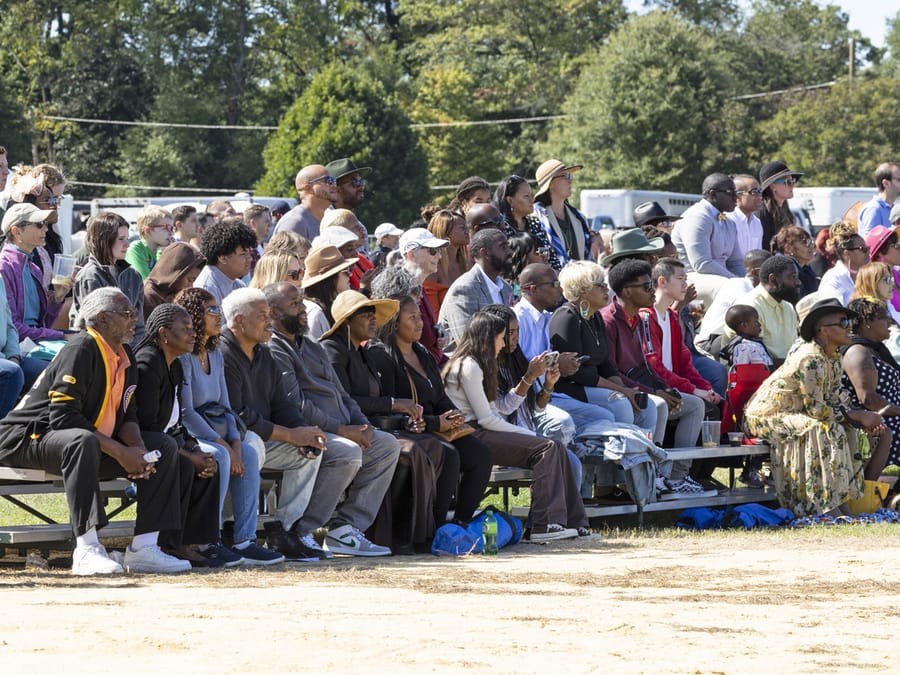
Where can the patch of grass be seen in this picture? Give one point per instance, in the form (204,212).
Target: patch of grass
(52,505)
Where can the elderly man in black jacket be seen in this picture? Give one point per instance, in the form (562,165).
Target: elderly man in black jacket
(79,421)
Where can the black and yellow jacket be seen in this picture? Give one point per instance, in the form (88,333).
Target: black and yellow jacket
(69,394)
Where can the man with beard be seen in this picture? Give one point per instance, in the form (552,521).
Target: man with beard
(482,285)
(358,460)
(773,299)
(351,183)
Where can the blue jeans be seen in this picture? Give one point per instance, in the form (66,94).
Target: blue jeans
(32,369)
(11,379)
(712,371)
(244,489)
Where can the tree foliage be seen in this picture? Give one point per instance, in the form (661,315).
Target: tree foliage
(838,136)
(345,113)
(643,109)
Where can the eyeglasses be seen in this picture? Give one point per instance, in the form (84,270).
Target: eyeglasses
(127,313)
(786,181)
(752,191)
(843,323)
(647,286)
(327,179)
(864,249)
(496,222)
(214,310)
(294,274)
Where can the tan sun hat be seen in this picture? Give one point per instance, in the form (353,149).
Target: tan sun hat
(322,263)
(549,170)
(348,302)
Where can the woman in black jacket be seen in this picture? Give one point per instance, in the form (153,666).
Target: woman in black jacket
(428,472)
(170,333)
(407,369)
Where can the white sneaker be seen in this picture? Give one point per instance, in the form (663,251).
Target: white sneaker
(90,560)
(152,560)
(347,540)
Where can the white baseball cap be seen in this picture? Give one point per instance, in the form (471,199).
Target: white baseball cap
(334,236)
(419,237)
(386,229)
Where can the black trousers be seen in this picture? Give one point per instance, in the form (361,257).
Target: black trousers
(199,506)
(75,455)
(475,463)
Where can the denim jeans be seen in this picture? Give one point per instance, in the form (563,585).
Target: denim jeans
(244,489)
(11,379)
(32,369)
(712,371)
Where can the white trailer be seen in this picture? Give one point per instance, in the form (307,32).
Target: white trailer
(601,205)
(825,205)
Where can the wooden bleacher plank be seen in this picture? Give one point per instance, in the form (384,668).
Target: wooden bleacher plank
(18,535)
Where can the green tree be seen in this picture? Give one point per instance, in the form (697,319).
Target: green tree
(642,111)
(344,112)
(837,136)
(788,43)
(714,14)
(891,66)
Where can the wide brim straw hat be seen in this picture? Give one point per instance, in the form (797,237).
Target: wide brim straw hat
(348,302)
(549,170)
(322,263)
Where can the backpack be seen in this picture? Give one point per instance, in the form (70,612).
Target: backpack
(452,539)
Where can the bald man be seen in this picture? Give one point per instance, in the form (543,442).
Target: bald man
(317,190)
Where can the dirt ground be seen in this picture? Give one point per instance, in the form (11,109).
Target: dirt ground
(783,602)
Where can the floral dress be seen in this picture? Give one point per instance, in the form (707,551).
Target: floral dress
(797,410)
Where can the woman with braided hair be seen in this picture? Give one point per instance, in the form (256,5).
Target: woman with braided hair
(170,333)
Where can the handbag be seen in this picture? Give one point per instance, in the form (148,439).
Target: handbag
(450,435)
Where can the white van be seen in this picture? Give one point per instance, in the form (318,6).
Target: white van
(619,205)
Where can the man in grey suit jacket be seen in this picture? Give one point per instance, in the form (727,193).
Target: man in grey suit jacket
(480,286)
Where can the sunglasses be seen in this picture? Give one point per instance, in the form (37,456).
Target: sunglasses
(753,191)
(163,226)
(786,181)
(214,310)
(327,179)
(127,313)
(730,193)
(555,283)
(43,225)
(864,249)
(496,222)
(647,286)
(544,251)
(357,182)
(843,323)
(564,176)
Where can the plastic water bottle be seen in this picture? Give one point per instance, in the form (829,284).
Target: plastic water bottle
(489,533)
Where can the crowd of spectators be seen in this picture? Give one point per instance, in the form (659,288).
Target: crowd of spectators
(383,385)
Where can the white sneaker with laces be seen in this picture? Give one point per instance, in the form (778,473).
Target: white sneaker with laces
(347,540)
(152,560)
(90,560)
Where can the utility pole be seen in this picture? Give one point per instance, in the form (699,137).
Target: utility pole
(852,58)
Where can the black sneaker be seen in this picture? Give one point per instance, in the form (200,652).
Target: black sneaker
(288,544)
(254,554)
(218,555)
